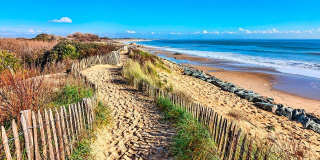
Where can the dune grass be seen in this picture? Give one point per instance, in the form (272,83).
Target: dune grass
(192,140)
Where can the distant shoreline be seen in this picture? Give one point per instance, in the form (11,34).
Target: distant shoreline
(122,40)
(261,83)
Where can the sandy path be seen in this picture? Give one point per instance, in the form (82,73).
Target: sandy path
(138,130)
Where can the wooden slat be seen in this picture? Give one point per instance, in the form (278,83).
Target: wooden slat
(64,131)
(80,115)
(68,129)
(75,122)
(235,146)
(219,130)
(35,137)
(77,118)
(43,138)
(5,143)
(249,150)
(51,153)
(27,116)
(228,136)
(221,134)
(71,123)
(242,149)
(54,133)
(224,136)
(58,125)
(16,139)
(26,136)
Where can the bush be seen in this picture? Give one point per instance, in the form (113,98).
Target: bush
(8,60)
(45,37)
(102,115)
(72,93)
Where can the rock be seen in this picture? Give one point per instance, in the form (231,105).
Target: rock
(188,72)
(267,106)
(211,79)
(177,53)
(133,44)
(271,100)
(232,89)
(297,112)
(306,122)
(283,111)
(196,73)
(314,126)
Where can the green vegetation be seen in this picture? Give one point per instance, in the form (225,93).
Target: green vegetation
(71,93)
(192,141)
(102,115)
(82,150)
(76,50)
(102,119)
(8,60)
(143,66)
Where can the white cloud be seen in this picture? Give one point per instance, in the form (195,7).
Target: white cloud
(30,30)
(309,31)
(227,32)
(175,33)
(39,31)
(205,31)
(276,31)
(246,31)
(215,32)
(298,32)
(152,32)
(131,32)
(264,31)
(61,20)
(3,29)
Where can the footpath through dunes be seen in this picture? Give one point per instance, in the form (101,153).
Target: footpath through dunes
(138,130)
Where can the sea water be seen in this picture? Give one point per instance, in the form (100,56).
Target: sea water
(298,60)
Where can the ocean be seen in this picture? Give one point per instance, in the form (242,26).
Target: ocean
(298,60)
(301,57)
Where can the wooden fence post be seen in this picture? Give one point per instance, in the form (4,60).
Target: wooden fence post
(26,136)
(16,139)
(43,138)
(53,126)
(236,145)
(61,147)
(35,136)
(49,135)
(5,143)
(27,116)
(69,134)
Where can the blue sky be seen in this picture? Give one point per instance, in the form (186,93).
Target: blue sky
(163,19)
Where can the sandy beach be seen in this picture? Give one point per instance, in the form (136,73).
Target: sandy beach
(261,83)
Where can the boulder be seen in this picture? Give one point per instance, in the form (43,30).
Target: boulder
(297,112)
(133,44)
(196,73)
(232,89)
(188,72)
(211,79)
(314,126)
(177,53)
(267,106)
(271,100)
(306,122)
(283,111)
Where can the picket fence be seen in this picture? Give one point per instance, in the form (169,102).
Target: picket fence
(231,142)
(53,137)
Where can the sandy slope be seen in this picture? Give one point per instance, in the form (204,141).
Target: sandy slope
(254,120)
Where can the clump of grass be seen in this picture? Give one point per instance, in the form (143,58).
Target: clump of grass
(271,127)
(238,115)
(82,150)
(72,93)
(102,115)
(192,140)
(161,66)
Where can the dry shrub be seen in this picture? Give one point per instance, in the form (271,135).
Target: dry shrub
(23,90)
(238,115)
(83,37)
(27,50)
(183,94)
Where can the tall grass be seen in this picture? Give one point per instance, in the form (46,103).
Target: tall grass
(192,141)
(29,51)
(22,90)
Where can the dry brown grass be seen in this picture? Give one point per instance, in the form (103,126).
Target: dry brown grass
(27,50)
(23,90)
(238,115)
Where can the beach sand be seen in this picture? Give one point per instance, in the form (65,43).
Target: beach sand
(258,82)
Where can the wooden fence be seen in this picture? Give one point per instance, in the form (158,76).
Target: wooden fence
(50,134)
(231,142)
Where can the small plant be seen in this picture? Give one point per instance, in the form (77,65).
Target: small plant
(102,115)
(271,127)
(8,60)
(82,150)
(72,93)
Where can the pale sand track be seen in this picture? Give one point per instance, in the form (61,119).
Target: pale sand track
(138,130)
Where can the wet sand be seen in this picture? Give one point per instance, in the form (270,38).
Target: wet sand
(257,79)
